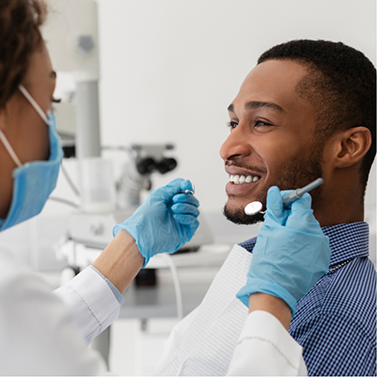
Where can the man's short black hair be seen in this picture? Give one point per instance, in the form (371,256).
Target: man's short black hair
(341,84)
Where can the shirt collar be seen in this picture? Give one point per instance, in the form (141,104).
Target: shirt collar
(347,241)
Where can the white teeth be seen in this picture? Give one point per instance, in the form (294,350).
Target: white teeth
(239,179)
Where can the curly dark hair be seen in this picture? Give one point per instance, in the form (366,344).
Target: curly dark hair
(20,21)
(341,84)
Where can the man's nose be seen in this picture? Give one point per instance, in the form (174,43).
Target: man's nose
(235,146)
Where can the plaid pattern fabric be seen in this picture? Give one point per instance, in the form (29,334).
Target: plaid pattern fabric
(335,322)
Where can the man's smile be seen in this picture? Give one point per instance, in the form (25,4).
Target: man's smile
(241,180)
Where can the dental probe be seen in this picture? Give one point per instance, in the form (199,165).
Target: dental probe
(192,192)
(254,207)
(187,192)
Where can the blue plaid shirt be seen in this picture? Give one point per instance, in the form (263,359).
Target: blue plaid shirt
(335,322)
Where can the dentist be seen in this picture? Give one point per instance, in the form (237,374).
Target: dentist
(40,332)
(44,333)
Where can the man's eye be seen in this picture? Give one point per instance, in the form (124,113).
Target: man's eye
(56,100)
(232,124)
(260,123)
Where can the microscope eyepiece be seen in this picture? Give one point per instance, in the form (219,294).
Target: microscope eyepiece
(166,165)
(146,165)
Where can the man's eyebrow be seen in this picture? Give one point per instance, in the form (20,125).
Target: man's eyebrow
(252,105)
(257,105)
(53,74)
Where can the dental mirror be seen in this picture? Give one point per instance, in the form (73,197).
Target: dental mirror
(253,208)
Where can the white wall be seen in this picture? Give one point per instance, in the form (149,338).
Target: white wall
(169,69)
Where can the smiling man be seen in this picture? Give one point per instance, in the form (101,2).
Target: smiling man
(307,110)
(271,129)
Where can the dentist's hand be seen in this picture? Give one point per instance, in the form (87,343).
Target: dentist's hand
(291,253)
(165,221)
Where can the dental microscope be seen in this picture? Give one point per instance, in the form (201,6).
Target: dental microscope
(136,175)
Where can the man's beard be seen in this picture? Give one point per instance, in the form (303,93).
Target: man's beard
(297,174)
(238,216)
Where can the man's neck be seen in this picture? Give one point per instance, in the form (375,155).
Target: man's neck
(333,213)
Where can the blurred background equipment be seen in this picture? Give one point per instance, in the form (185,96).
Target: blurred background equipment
(102,201)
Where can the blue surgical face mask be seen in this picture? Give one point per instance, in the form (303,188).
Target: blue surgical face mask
(33,181)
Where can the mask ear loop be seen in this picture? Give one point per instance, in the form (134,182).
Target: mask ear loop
(38,110)
(33,103)
(10,149)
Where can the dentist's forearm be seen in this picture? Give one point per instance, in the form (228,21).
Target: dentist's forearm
(274,305)
(121,261)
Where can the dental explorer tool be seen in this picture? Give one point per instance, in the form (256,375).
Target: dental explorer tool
(254,207)
(192,192)
(188,192)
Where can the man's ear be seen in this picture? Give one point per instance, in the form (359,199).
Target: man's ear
(351,146)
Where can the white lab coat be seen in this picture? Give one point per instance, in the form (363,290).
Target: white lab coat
(265,348)
(37,335)
(40,335)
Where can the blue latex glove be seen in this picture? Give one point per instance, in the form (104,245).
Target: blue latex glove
(165,221)
(291,253)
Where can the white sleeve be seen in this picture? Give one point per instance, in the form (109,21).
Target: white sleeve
(37,335)
(94,306)
(266,348)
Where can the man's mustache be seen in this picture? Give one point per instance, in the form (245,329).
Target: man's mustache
(244,166)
